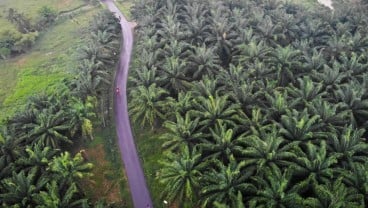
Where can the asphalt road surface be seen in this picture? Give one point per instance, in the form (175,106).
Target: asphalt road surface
(137,183)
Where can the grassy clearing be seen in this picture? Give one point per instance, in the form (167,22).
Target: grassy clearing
(124,7)
(31,7)
(49,61)
(150,151)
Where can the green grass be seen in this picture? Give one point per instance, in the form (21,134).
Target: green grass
(31,7)
(47,63)
(150,151)
(124,7)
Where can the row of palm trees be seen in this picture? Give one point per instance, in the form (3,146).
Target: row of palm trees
(36,167)
(264,103)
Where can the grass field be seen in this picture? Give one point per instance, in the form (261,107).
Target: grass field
(31,7)
(50,60)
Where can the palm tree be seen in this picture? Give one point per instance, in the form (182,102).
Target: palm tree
(54,197)
(315,165)
(275,189)
(306,92)
(349,146)
(269,31)
(296,126)
(352,98)
(181,175)
(66,169)
(36,157)
(174,74)
(50,129)
(334,194)
(185,131)
(203,61)
(249,53)
(206,87)
(286,62)
(216,109)
(328,114)
(95,54)
(196,23)
(330,77)
(267,148)
(223,183)
(223,144)
(357,177)
(18,190)
(238,203)
(147,104)
(277,105)
(182,104)
(145,76)
(81,115)
(10,145)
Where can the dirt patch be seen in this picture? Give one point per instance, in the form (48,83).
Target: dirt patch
(105,182)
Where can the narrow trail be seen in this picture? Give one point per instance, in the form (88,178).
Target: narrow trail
(137,183)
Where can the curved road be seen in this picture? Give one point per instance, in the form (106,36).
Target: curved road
(137,183)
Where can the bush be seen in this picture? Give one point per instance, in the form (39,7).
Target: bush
(47,17)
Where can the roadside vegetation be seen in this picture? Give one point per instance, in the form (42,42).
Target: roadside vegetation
(256,103)
(40,161)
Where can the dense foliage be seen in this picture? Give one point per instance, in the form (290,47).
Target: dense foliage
(36,166)
(265,103)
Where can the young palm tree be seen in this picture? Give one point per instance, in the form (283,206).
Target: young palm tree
(147,104)
(36,157)
(334,194)
(315,165)
(306,92)
(185,131)
(174,74)
(357,178)
(10,145)
(349,146)
(196,22)
(223,183)
(238,203)
(296,126)
(223,144)
(50,129)
(203,61)
(328,114)
(180,175)
(286,62)
(18,190)
(249,53)
(276,190)
(67,169)
(277,103)
(55,197)
(81,115)
(267,148)
(353,99)
(216,109)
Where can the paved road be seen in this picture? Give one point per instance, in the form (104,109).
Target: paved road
(137,183)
